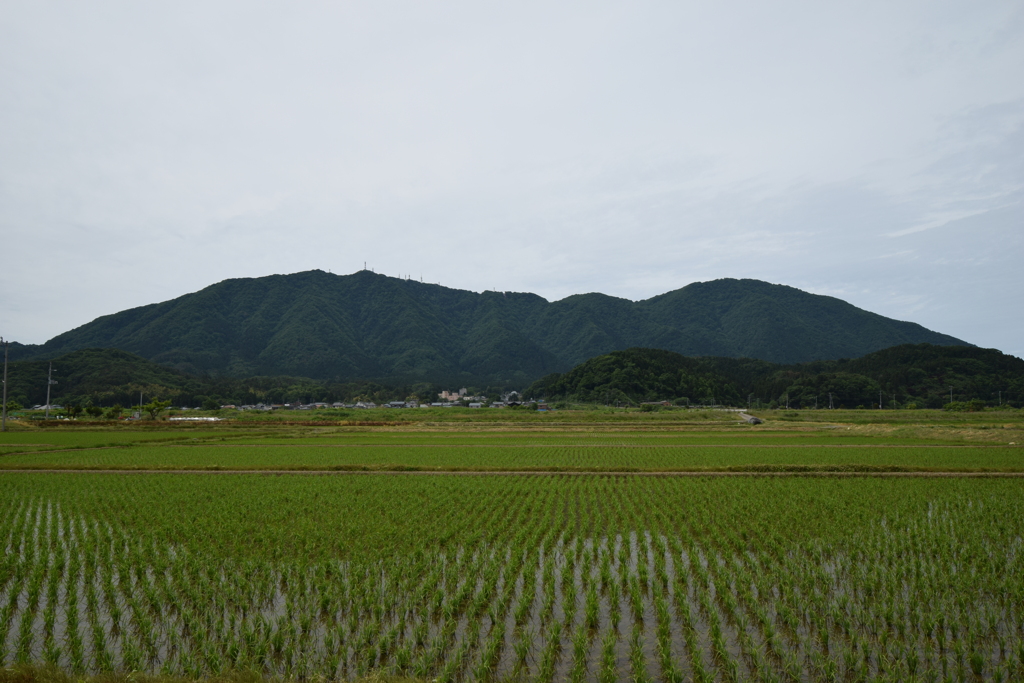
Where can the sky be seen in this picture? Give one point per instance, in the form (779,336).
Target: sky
(870,151)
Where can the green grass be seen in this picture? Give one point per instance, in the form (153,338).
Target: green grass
(425,435)
(6,448)
(593,438)
(896,417)
(595,457)
(513,448)
(71,437)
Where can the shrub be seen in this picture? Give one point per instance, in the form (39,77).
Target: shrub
(975,405)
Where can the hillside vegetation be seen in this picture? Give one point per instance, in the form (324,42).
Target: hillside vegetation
(918,374)
(105,377)
(366,326)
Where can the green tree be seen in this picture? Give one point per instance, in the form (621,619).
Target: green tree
(155,407)
(93,411)
(114,412)
(13,405)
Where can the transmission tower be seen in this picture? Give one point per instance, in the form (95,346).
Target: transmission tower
(50,381)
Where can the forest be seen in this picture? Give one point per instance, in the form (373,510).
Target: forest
(905,376)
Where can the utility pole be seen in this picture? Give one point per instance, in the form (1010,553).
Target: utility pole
(830,400)
(49,383)
(879,399)
(3,424)
(951,393)
(894,401)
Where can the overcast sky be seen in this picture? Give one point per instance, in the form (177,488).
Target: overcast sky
(872,151)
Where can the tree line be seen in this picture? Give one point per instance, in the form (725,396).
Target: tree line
(906,376)
(910,375)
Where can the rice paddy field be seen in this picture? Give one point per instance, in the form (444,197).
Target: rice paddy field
(530,457)
(612,571)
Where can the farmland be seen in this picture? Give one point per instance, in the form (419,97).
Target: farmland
(526,458)
(596,577)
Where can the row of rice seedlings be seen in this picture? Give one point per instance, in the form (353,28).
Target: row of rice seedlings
(449,624)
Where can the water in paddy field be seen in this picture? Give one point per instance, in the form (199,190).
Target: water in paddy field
(937,592)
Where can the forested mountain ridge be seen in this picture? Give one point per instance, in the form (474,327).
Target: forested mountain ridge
(368,326)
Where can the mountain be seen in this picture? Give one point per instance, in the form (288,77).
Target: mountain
(922,374)
(368,326)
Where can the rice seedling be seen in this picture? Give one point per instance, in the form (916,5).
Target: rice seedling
(485,578)
(580,653)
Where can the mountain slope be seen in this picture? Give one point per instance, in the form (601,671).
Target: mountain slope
(369,326)
(754,319)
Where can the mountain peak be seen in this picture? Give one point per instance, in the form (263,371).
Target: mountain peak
(367,325)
